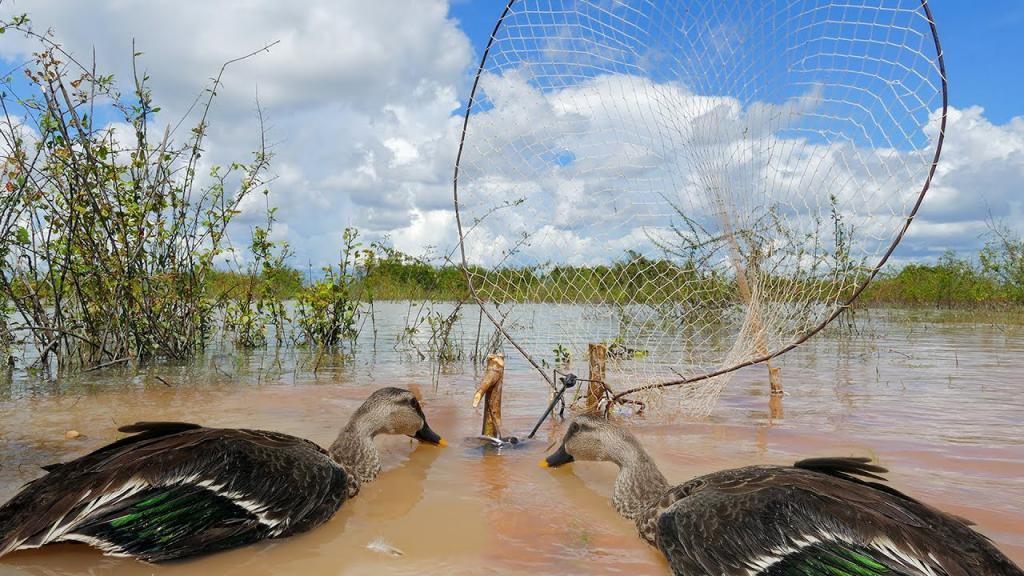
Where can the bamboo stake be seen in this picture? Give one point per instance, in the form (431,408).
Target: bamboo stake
(598,354)
(743,287)
(775,411)
(490,391)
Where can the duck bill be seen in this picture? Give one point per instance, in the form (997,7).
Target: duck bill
(425,434)
(557,459)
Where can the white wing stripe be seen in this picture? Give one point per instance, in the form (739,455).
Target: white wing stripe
(883,545)
(255,508)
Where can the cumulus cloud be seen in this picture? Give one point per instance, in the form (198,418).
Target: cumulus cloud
(358,95)
(363,102)
(580,174)
(980,177)
(594,164)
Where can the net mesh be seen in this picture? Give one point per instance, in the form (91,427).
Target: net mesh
(699,185)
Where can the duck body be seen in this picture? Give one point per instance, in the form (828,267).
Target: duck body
(175,490)
(819,517)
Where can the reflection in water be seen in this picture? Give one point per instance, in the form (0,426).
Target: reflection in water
(775,411)
(946,420)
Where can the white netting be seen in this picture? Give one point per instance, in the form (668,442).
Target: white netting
(697,184)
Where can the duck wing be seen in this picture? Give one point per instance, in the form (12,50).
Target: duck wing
(821,517)
(174,490)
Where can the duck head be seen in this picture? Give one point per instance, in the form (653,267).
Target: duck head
(591,438)
(396,411)
(639,483)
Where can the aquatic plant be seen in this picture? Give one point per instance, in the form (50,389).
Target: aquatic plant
(255,305)
(393,275)
(444,347)
(441,345)
(327,314)
(562,354)
(951,282)
(6,337)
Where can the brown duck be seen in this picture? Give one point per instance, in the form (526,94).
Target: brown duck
(824,516)
(175,490)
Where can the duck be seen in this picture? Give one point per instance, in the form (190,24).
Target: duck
(175,490)
(820,516)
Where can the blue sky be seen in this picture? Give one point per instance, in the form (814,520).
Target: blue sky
(984,47)
(983,50)
(983,43)
(364,100)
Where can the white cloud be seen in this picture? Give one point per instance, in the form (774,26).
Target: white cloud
(981,175)
(13,130)
(358,95)
(363,100)
(597,163)
(429,234)
(591,165)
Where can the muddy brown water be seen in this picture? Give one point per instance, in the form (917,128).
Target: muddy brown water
(938,402)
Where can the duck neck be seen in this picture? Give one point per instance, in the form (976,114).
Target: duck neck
(355,452)
(639,485)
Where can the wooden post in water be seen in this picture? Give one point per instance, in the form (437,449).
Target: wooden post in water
(775,411)
(743,287)
(774,379)
(598,354)
(490,391)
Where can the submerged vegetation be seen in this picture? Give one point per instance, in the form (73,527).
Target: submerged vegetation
(256,302)
(995,279)
(328,309)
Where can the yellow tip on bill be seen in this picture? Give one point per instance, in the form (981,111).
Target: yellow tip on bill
(543,464)
(442,442)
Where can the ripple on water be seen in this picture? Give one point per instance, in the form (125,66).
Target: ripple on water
(937,403)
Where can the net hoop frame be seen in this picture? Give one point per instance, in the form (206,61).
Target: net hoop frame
(839,309)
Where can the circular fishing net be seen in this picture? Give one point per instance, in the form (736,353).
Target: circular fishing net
(700,186)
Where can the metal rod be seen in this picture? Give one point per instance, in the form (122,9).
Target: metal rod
(568,381)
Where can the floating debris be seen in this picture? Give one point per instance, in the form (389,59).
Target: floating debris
(73,435)
(498,442)
(491,442)
(620,352)
(381,546)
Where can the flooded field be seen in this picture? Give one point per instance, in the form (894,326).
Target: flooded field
(937,400)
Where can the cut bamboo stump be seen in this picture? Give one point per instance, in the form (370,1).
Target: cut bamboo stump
(489,391)
(598,354)
(775,411)
(743,287)
(774,379)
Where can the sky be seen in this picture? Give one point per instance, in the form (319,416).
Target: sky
(364,103)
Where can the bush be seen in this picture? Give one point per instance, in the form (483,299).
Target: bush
(327,314)
(951,282)
(256,304)
(107,243)
(1003,259)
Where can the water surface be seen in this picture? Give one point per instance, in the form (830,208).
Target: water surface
(937,401)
